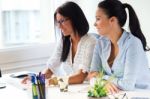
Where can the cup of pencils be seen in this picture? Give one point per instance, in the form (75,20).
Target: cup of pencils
(38,86)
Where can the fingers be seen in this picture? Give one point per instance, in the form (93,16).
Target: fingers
(53,81)
(111,88)
(92,74)
(114,89)
(48,73)
(25,80)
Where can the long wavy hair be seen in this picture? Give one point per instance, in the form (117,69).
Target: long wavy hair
(79,23)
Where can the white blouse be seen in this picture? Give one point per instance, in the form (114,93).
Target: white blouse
(82,58)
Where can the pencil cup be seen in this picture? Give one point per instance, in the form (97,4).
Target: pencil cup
(38,86)
(39,91)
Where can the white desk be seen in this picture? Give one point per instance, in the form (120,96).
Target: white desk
(79,91)
(11,92)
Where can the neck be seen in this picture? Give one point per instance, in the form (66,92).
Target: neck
(115,35)
(75,38)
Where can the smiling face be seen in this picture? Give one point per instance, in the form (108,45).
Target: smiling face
(103,23)
(64,24)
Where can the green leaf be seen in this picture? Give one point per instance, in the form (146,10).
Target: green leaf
(98,90)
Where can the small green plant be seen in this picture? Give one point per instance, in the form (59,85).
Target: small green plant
(98,90)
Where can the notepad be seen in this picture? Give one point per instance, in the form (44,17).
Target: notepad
(2,85)
(20,74)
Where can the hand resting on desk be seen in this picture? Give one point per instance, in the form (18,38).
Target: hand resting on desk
(47,72)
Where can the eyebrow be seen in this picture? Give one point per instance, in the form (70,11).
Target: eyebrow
(97,16)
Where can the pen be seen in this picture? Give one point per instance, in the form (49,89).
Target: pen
(124,95)
(42,84)
(40,88)
(34,89)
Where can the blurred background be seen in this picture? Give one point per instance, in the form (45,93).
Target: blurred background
(27,37)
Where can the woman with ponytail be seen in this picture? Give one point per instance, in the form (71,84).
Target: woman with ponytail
(74,51)
(119,53)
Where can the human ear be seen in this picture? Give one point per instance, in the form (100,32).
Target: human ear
(113,20)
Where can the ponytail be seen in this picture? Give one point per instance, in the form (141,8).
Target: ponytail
(134,26)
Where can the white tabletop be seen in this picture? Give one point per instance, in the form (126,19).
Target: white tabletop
(78,91)
(74,92)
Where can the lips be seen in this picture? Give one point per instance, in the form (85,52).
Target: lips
(63,31)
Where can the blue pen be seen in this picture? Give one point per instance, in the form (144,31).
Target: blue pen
(43,78)
(34,90)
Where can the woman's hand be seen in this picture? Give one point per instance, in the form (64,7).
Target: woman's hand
(52,81)
(92,74)
(48,73)
(26,80)
(111,88)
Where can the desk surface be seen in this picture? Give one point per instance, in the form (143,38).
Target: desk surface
(78,91)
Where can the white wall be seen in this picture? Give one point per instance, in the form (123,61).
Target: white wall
(32,58)
(89,7)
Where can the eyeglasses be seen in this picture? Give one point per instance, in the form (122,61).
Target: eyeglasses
(62,21)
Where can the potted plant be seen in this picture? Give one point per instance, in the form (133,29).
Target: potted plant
(98,91)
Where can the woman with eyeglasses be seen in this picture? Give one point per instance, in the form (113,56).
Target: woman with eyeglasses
(119,54)
(75,48)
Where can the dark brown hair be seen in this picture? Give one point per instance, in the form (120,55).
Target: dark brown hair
(117,9)
(79,23)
